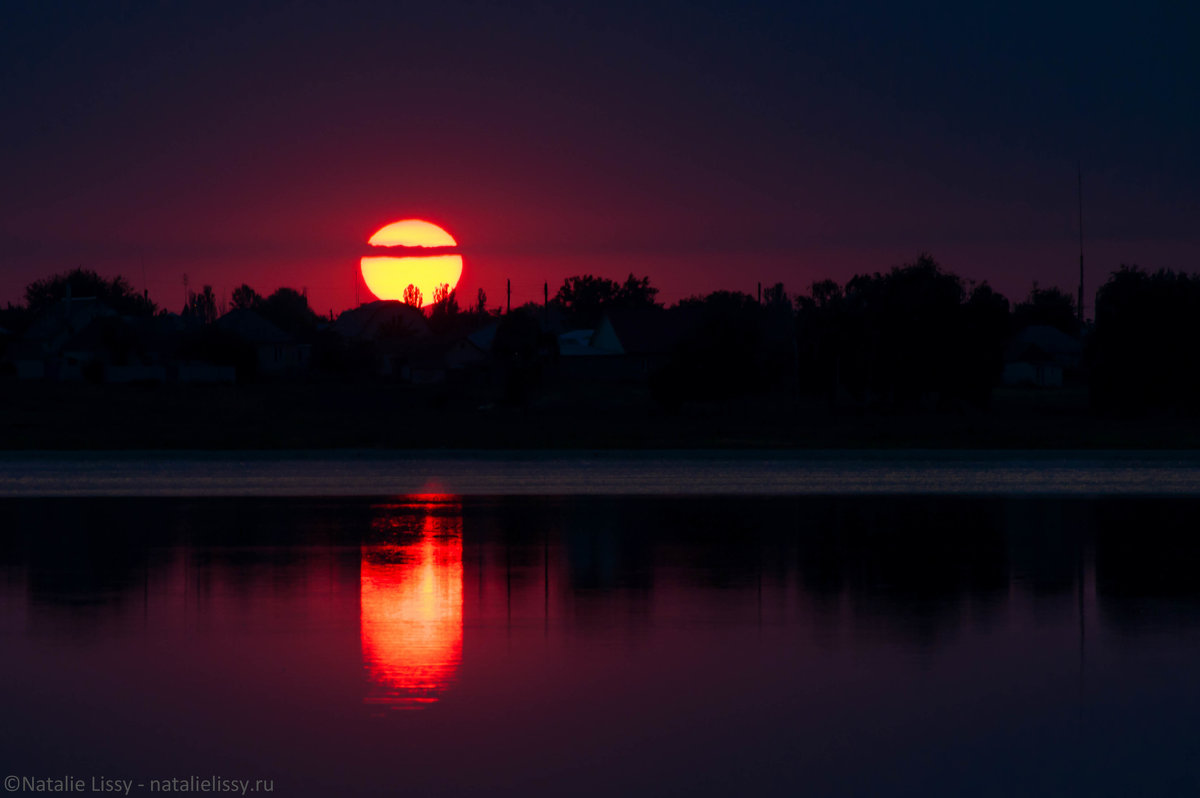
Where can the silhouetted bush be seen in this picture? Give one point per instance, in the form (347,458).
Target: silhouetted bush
(984,327)
(521,350)
(201,306)
(1145,352)
(1052,307)
(117,293)
(288,310)
(15,318)
(333,355)
(733,350)
(245,298)
(893,340)
(585,298)
(211,344)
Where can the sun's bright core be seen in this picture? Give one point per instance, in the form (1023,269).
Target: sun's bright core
(388,276)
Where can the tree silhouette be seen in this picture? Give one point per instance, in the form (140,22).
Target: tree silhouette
(521,349)
(15,318)
(1049,306)
(722,303)
(732,347)
(412,296)
(981,335)
(116,293)
(775,296)
(202,306)
(288,310)
(246,298)
(890,340)
(444,311)
(636,293)
(481,302)
(1145,352)
(583,297)
(586,297)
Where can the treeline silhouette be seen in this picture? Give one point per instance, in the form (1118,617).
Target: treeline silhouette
(915,337)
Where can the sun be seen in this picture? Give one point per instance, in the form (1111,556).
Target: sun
(388,275)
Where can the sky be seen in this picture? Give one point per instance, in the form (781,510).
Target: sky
(709,145)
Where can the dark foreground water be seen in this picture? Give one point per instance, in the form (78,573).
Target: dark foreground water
(607,646)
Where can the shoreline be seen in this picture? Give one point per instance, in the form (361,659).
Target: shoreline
(350,473)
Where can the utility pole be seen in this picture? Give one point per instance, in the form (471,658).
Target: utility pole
(508,295)
(546,294)
(760,293)
(1080,308)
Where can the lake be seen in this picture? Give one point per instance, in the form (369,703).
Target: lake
(863,642)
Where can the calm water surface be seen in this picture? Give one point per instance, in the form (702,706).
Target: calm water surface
(467,645)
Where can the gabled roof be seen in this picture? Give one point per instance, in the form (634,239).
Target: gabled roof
(581,343)
(249,326)
(483,338)
(367,321)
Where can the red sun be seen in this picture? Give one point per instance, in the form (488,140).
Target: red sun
(387,276)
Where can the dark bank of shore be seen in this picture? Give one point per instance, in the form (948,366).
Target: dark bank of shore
(392,416)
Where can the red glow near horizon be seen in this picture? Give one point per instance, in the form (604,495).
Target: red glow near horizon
(411,588)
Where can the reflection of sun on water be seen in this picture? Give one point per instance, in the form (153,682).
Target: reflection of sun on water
(411,596)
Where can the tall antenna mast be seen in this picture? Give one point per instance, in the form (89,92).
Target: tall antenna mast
(1080,305)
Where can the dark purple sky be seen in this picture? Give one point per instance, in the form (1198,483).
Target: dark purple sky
(707,145)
